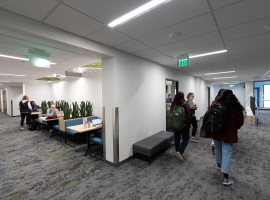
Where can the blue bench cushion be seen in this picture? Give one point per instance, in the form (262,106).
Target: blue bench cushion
(45,123)
(56,127)
(96,140)
(71,132)
(37,120)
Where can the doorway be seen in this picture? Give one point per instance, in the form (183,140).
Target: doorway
(171,88)
(5,101)
(257,96)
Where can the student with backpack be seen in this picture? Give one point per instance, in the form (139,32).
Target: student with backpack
(226,136)
(180,120)
(212,143)
(192,108)
(25,110)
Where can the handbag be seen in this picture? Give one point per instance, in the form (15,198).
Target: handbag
(204,133)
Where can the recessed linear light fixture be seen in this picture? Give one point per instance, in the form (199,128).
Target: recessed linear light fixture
(137,12)
(207,54)
(18,58)
(225,77)
(11,74)
(5,81)
(220,72)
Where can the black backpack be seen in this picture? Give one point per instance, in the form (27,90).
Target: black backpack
(215,119)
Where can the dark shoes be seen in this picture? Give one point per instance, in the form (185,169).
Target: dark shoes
(218,166)
(194,140)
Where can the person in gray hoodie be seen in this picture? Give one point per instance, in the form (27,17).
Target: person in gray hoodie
(192,108)
(25,110)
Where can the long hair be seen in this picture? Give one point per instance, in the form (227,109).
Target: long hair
(189,94)
(229,100)
(25,98)
(220,92)
(179,99)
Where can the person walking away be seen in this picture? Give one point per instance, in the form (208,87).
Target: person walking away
(25,110)
(224,140)
(180,117)
(169,99)
(192,108)
(212,143)
(51,112)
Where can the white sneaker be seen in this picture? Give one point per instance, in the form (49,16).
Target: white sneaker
(51,131)
(179,156)
(22,129)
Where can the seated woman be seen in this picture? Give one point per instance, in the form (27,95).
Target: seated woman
(35,108)
(51,112)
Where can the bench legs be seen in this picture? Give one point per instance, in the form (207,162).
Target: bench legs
(68,143)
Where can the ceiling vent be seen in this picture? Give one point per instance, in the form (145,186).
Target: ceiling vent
(73,74)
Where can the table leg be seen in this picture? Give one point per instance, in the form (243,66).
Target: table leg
(87,143)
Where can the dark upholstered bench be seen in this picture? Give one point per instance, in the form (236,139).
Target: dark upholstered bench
(149,146)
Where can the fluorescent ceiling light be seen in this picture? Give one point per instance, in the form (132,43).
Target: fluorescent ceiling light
(137,12)
(207,54)
(225,77)
(11,74)
(220,72)
(5,81)
(18,58)
(1,84)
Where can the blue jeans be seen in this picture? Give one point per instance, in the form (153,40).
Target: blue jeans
(223,154)
(177,136)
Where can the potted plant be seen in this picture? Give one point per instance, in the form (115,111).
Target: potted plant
(89,108)
(44,107)
(82,109)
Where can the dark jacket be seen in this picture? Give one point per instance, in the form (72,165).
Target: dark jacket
(35,107)
(234,122)
(25,106)
(187,113)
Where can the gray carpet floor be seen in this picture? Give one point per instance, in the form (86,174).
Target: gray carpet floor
(33,166)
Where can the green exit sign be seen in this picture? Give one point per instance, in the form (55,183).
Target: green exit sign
(231,85)
(183,61)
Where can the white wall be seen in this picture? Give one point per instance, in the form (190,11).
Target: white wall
(16,94)
(89,87)
(249,89)
(1,102)
(8,100)
(238,90)
(37,91)
(139,94)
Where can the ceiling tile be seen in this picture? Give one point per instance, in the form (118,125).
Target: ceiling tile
(251,55)
(163,59)
(242,12)
(188,29)
(250,49)
(186,46)
(35,9)
(245,30)
(150,53)
(248,41)
(104,10)
(85,59)
(221,3)
(108,36)
(71,20)
(163,16)
(132,46)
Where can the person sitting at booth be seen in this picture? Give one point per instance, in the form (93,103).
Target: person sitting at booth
(51,112)
(35,108)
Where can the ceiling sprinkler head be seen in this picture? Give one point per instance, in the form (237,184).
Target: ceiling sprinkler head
(174,35)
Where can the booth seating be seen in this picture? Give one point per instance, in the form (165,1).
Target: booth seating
(151,145)
(73,122)
(43,123)
(95,140)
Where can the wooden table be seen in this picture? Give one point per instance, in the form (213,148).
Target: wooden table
(35,113)
(80,129)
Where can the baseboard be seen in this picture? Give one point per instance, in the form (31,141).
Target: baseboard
(16,116)
(119,164)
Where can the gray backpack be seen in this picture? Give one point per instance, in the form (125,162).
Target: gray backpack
(178,117)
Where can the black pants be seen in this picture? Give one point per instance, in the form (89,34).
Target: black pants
(28,117)
(52,123)
(194,125)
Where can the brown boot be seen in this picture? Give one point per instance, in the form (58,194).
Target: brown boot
(213,149)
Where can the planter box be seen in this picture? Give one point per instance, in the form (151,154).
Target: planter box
(62,122)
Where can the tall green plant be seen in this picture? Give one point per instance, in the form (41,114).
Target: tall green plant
(89,108)
(82,109)
(44,107)
(67,110)
(57,105)
(76,110)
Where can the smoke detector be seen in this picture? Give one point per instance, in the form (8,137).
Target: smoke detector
(174,35)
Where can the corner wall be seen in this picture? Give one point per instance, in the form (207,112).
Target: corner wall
(249,90)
